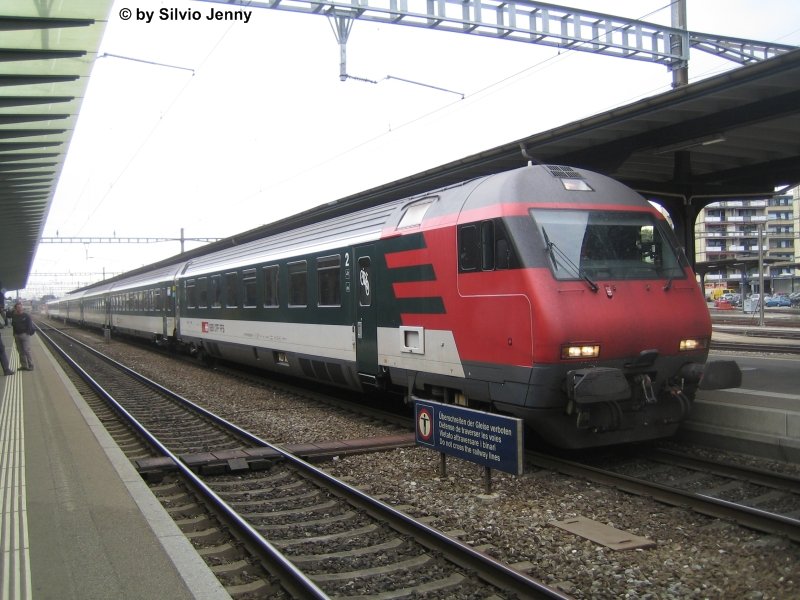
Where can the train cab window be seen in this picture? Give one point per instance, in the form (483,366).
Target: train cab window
(215,291)
(485,246)
(232,290)
(202,292)
(414,213)
(329,281)
(468,248)
(271,286)
(298,284)
(250,290)
(608,245)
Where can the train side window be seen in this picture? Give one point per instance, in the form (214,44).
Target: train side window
(157,305)
(191,293)
(328,281)
(250,291)
(215,291)
(468,248)
(232,290)
(202,292)
(271,286)
(298,284)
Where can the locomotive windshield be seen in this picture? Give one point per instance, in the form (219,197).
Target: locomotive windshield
(608,245)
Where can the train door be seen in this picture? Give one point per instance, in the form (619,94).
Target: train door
(163,308)
(366,318)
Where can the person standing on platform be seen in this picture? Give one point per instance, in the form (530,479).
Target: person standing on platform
(4,359)
(23,327)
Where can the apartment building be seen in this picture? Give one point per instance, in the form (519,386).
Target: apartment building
(727,243)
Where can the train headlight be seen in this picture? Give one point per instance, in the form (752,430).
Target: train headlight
(690,344)
(572,351)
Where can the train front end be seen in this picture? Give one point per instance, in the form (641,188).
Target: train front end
(620,329)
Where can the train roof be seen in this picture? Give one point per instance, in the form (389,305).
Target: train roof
(359,227)
(125,282)
(555,184)
(337,224)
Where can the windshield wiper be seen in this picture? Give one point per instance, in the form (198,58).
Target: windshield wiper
(553,249)
(550,249)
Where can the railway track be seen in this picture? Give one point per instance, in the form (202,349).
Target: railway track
(297,532)
(764,501)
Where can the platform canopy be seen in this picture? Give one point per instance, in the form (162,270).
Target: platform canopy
(727,136)
(47,50)
(731,136)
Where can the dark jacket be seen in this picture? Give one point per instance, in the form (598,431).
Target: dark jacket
(22,323)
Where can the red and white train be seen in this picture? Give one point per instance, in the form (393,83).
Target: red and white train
(550,293)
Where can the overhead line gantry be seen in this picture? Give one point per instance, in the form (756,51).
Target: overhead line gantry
(532,22)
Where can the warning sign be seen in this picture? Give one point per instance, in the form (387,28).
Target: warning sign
(425,425)
(494,441)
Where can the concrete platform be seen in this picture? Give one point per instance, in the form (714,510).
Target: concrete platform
(78,522)
(744,420)
(758,423)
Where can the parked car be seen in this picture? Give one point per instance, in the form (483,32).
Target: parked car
(777,301)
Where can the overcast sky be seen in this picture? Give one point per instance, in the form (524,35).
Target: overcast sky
(220,127)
